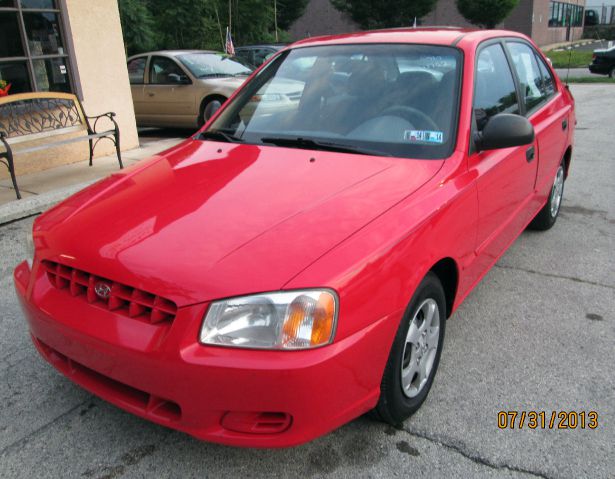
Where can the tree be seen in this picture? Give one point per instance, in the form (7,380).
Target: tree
(200,24)
(486,13)
(252,21)
(289,11)
(384,13)
(186,24)
(137,26)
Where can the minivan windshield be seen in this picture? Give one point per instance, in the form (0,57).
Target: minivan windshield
(203,65)
(378,99)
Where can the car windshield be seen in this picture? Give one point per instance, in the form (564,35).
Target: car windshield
(383,99)
(203,65)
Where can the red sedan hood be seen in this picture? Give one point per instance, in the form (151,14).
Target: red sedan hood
(209,220)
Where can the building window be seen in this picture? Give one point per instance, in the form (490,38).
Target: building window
(33,53)
(563,14)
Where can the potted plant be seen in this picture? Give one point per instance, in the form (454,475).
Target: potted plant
(4,88)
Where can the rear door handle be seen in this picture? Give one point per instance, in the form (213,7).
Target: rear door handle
(564,124)
(529,154)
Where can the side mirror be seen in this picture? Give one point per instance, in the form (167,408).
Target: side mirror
(179,79)
(503,131)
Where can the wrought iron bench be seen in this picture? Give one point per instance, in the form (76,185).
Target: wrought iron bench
(31,122)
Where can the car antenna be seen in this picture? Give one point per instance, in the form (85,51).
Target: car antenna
(570,49)
(569,60)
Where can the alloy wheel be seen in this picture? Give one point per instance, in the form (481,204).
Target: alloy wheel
(557,191)
(420,348)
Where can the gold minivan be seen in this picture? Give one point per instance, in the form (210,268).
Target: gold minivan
(182,88)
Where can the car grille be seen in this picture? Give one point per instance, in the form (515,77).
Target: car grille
(294,96)
(117,297)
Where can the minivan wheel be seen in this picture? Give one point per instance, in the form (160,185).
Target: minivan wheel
(415,354)
(547,216)
(210,107)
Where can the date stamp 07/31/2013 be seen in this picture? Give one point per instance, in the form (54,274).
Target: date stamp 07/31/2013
(547,420)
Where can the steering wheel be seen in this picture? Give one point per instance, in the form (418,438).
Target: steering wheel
(413,115)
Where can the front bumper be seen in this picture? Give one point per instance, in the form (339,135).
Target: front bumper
(161,372)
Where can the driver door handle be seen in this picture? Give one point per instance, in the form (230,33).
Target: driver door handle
(530,153)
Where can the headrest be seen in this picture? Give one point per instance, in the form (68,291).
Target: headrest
(366,80)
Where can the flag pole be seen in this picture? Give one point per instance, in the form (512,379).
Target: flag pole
(275,19)
(220,28)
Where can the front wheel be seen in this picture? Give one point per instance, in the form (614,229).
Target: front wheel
(547,216)
(208,109)
(415,354)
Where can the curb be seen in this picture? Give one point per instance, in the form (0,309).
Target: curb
(19,209)
(561,47)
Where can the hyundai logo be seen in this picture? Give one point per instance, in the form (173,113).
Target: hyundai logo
(102,290)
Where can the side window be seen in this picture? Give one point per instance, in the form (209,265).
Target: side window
(246,55)
(136,70)
(548,85)
(261,55)
(160,68)
(529,74)
(494,89)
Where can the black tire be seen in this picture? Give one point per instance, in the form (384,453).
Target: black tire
(547,216)
(395,405)
(209,107)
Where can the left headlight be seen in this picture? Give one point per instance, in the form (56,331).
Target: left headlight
(283,320)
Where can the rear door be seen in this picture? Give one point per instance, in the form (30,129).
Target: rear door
(548,112)
(505,177)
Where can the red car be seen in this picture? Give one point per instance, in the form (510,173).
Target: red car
(292,265)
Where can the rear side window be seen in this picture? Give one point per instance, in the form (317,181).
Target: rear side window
(530,77)
(548,84)
(136,70)
(494,90)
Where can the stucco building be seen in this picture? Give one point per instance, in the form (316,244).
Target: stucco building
(546,21)
(73,46)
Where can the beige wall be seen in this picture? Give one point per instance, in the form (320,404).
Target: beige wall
(94,41)
(98,49)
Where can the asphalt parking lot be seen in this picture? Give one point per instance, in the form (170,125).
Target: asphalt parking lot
(538,334)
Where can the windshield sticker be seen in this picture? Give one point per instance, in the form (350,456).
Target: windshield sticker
(424,136)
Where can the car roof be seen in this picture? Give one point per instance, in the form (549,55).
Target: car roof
(278,46)
(174,53)
(419,35)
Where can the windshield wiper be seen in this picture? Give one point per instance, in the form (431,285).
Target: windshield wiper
(212,75)
(310,144)
(219,136)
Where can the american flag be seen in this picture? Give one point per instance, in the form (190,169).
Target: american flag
(228,47)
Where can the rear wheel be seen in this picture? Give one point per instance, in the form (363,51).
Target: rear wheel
(415,354)
(547,216)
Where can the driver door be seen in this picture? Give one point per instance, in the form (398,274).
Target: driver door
(165,99)
(506,177)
